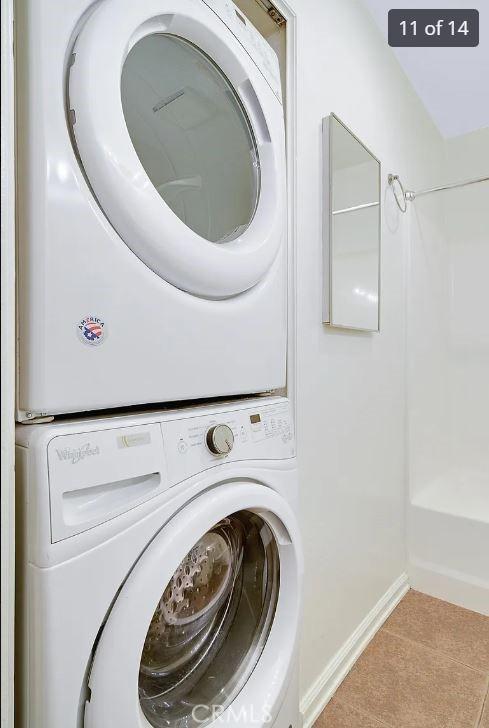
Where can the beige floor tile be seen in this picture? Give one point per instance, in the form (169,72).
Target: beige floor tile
(459,633)
(485,715)
(337,715)
(406,685)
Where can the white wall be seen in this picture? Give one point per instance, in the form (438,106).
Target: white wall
(351,387)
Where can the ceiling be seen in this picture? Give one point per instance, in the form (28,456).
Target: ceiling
(453,83)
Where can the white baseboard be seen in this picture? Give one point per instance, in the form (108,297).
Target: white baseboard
(450,585)
(336,670)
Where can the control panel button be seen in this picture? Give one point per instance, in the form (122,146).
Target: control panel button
(182,446)
(220,439)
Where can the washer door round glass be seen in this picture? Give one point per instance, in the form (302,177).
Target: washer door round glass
(192,135)
(211,624)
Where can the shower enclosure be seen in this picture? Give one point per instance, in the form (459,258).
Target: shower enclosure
(448,379)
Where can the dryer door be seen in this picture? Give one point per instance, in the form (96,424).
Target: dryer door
(202,625)
(181,140)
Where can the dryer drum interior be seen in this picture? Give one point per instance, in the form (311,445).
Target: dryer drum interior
(211,623)
(192,135)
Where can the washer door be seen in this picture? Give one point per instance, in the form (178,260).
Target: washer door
(202,624)
(182,142)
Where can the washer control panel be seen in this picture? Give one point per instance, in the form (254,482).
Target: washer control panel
(194,444)
(99,469)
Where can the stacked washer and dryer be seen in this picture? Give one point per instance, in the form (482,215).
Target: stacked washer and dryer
(159,569)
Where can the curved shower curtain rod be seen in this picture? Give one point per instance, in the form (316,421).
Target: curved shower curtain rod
(400,194)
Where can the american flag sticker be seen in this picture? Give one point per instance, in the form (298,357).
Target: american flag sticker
(92,330)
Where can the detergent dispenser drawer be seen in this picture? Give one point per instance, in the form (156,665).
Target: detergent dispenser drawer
(95,476)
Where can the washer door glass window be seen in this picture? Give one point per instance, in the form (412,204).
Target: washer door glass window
(192,135)
(211,624)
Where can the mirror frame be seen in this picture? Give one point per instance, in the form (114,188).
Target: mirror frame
(327,203)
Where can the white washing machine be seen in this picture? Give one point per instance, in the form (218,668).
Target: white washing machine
(151,202)
(160,574)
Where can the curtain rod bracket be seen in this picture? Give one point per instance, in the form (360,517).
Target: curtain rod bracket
(402,196)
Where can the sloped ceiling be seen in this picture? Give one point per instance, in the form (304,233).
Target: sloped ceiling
(453,83)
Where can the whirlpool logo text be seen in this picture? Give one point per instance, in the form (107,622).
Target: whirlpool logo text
(74,455)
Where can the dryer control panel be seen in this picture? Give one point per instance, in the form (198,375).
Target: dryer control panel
(261,52)
(258,433)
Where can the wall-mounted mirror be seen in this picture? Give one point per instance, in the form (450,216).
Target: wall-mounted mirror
(351,230)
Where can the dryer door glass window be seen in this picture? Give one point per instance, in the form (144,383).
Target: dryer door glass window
(211,624)
(192,135)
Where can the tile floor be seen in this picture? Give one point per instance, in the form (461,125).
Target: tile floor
(428,667)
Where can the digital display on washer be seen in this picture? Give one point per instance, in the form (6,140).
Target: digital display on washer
(255,419)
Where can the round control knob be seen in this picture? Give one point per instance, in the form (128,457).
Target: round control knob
(220,439)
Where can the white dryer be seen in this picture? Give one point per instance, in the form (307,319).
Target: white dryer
(151,200)
(160,572)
